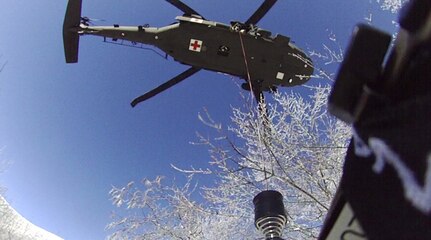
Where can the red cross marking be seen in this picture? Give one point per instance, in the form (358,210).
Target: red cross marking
(195,45)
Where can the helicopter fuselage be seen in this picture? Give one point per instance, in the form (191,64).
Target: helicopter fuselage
(256,55)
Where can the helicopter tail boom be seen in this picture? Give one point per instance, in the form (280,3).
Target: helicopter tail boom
(71,23)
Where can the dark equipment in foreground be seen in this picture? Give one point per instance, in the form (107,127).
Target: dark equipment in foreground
(269,214)
(385,190)
(239,49)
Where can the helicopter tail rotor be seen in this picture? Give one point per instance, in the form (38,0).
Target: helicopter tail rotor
(71,24)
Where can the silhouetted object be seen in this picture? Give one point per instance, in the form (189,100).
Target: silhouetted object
(385,189)
(269,214)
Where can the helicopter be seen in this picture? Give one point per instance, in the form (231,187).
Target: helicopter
(239,49)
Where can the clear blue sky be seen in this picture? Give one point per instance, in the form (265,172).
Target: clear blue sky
(69,130)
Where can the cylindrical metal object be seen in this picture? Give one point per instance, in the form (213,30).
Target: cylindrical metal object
(269,214)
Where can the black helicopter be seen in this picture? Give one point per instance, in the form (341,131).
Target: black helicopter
(239,49)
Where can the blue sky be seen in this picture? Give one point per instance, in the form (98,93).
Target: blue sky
(69,130)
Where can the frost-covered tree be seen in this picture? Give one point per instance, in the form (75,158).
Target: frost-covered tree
(391,5)
(297,149)
(15,227)
(12,225)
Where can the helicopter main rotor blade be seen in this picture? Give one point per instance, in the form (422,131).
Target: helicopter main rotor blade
(165,85)
(260,12)
(183,7)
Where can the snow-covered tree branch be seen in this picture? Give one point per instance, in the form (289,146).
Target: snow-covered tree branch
(15,227)
(391,5)
(297,149)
